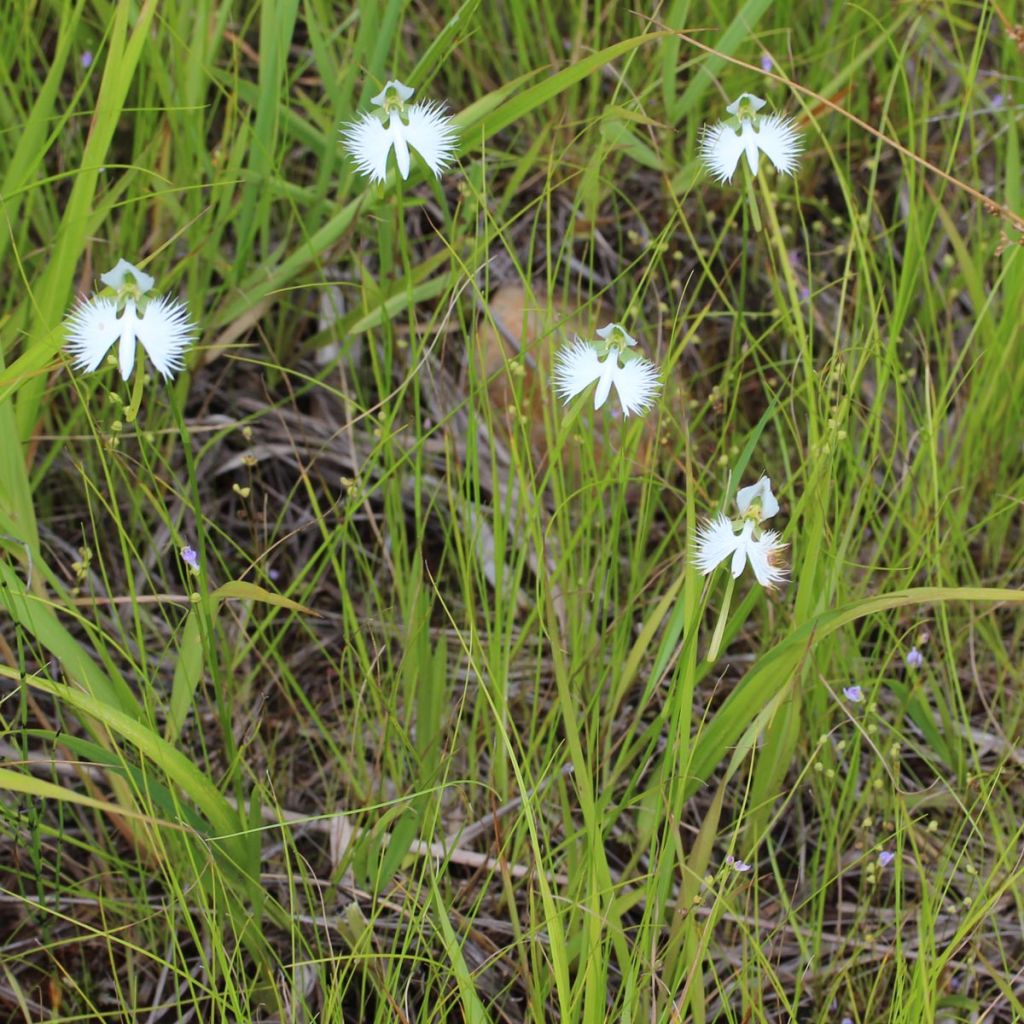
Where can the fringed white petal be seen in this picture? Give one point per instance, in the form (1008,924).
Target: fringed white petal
(166,330)
(432,133)
(369,142)
(716,541)
(91,329)
(721,148)
(780,141)
(765,556)
(575,369)
(636,384)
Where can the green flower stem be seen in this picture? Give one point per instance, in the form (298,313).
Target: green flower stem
(723,617)
(138,381)
(755,213)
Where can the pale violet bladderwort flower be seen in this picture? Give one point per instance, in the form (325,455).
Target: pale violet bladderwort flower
(736,864)
(853,693)
(398,125)
(750,133)
(125,313)
(744,540)
(190,557)
(609,362)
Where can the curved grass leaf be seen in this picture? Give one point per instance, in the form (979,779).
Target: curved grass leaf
(775,668)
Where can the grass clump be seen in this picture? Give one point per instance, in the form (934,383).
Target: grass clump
(352,675)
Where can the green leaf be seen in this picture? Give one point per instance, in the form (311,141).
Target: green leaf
(41,789)
(166,802)
(245,591)
(543,92)
(740,29)
(178,768)
(616,132)
(774,669)
(36,616)
(395,850)
(189,667)
(188,670)
(473,1009)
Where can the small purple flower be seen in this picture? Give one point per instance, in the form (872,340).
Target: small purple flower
(86,59)
(998,100)
(190,557)
(735,864)
(854,693)
(846,1020)
(885,858)
(766,62)
(915,659)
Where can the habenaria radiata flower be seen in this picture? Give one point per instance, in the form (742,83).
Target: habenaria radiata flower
(607,362)
(124,314)
(424,126)
(744,540)
(722,145)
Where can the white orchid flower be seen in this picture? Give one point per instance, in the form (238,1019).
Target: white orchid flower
(608,362)
(721,145)
(744,541)
(162,325)
(424,126)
